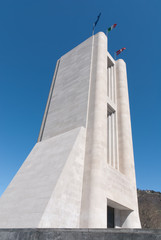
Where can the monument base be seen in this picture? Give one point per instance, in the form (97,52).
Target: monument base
(79,234)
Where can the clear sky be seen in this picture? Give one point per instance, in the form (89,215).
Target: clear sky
(35,33)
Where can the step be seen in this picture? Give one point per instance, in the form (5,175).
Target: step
(79,234)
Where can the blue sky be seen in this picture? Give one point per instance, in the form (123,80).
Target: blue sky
(35,33)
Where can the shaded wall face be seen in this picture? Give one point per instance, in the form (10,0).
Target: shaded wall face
(112,127)
(119,136)
(122,189)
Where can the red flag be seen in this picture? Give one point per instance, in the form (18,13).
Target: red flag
(120,50)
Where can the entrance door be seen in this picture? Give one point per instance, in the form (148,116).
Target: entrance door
(110,217)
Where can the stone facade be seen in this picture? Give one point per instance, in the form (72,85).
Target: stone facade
(83,161)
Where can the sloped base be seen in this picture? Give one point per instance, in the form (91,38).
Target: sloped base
(79,234)
(46,191)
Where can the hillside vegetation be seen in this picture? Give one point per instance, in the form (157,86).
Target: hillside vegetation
(150,208)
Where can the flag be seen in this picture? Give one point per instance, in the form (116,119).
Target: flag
(120,50)
(98,17)
(112,27)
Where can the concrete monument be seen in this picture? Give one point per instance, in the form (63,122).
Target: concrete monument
(80,174)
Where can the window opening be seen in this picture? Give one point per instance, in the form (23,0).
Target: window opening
(110,217)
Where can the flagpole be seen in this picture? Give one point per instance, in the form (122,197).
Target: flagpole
(115,56)
(107,32)
(107,39)
(93,30)
(95,23)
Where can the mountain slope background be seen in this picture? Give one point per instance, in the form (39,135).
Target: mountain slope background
(150,208)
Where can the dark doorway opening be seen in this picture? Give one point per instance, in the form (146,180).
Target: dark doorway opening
(110,217)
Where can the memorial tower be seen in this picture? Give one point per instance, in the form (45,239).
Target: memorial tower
(80,173)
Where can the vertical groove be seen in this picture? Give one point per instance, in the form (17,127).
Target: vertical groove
(108,82)
(107,137)
(109,120)
(112,153)
(111,83)
(113,138)
(114,84)
(48,102)
(116,150)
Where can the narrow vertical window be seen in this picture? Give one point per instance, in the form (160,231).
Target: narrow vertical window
(112,151)
(111,84)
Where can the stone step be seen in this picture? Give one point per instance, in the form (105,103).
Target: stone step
(79,234)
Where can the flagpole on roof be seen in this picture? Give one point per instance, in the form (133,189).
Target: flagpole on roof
(95,23)
(93,30)
(115,56)
(107,39)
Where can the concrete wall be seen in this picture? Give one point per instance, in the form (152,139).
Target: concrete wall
(124,122)
(48,186)
(47,190)
(94,202)
(68,105)
(104,184)
(68,180)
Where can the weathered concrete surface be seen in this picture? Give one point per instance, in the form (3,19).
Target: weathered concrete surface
(79,234)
